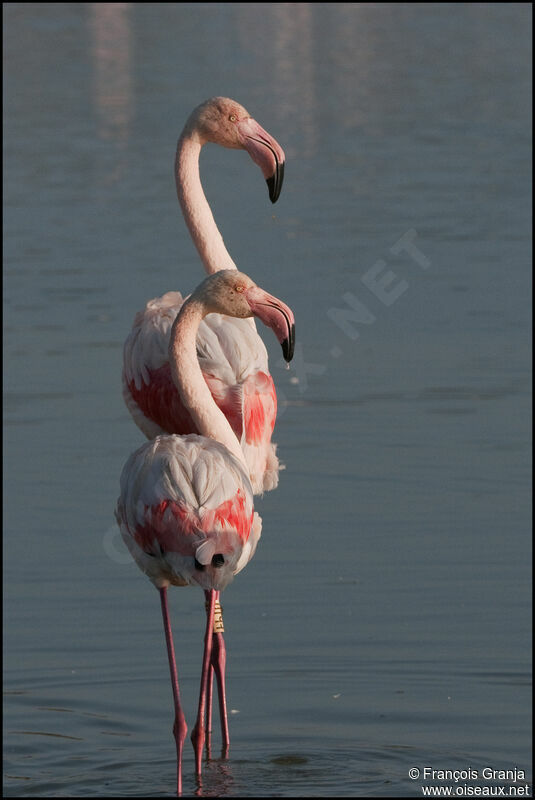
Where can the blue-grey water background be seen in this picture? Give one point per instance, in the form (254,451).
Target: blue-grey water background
(384,623)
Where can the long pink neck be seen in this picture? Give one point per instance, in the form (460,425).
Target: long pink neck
(194,392)
(197,213)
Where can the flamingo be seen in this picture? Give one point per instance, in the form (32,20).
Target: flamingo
(186,505)
(232,356)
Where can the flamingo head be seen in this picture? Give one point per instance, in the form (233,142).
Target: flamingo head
(235,294)
(227,123)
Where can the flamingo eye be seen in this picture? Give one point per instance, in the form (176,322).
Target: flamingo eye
(240,288)
(233,118)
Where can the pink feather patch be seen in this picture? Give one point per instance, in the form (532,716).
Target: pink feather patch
(178,527)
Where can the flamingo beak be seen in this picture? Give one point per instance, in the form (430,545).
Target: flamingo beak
(288,345)
(275,182)
(276,315)
(266,152)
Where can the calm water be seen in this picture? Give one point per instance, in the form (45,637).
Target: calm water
(384,623)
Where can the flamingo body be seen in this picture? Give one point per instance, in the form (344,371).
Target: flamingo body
(185,500)
(234,363)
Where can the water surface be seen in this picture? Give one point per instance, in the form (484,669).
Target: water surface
(384,623)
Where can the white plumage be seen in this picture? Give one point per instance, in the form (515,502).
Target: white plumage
(183,500)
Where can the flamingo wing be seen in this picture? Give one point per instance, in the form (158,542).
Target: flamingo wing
(234,362)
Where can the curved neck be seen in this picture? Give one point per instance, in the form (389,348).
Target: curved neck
(195,208)
(194,392)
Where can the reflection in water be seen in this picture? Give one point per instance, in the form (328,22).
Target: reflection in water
(318,56)
(288,64)
(341,67)
(220,781)
(112,89)
(293,66)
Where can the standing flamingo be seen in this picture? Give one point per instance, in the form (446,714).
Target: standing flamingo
(232,356)
(186,505)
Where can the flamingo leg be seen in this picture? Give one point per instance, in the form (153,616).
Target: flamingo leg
(179,727)
(218,663)
(219,660)
(219,657)
(209,698)
(198,733)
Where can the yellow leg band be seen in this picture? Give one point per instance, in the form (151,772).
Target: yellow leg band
(218,618)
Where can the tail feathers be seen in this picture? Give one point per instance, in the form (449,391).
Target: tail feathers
(147,426)
(205,551)
(263,466)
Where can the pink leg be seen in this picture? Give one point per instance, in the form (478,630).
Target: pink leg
(198,734)
(219,658)
(218,662)
(179,728)
(209,697)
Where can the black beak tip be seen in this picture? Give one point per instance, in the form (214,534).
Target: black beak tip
(288,346)
(275,182)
